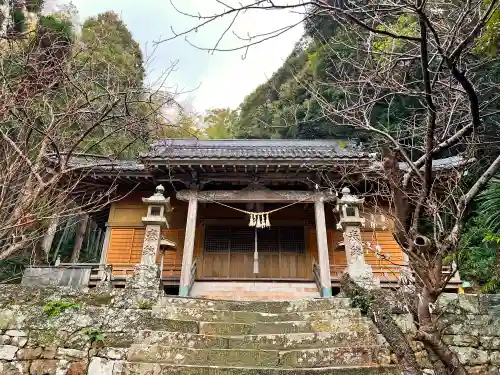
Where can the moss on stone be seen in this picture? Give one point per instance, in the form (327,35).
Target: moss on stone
(118,339)
(144,305)
(7,318)
(97,299)
(47,338)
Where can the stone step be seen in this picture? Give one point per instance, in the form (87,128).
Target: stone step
(265,341)
(302,340)
(131,368)
(303,305)
(212,315)
(254,290)
(331,325)
(310,358)
(258,296)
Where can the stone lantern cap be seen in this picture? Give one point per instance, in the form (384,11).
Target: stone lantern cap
(158,198)
(158,206)
(349,199)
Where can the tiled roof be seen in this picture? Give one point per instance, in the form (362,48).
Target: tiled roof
(444,163)
(255,149)
(292,151)
(104,164)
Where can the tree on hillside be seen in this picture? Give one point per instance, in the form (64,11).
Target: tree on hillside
(416,76)
(115,57)
(64,99)
(184,125)
(220,123)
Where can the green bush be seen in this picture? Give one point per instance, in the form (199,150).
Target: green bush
(54,308)
(62,28)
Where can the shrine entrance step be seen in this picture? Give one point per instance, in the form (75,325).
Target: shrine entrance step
(254,291)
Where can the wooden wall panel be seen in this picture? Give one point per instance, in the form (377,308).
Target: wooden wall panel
(381,267)
(312,245)
(129,215)
(390,248)
(385,239)
(125,248)
(129,212)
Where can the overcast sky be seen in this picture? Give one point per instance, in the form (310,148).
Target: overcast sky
(221,79)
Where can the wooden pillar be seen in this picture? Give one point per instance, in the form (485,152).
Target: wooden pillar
(80,235)
(187,256)
(321,236)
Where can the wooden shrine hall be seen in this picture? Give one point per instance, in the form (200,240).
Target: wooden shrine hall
(202,215)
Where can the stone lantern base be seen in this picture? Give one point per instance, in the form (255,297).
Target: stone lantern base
(145,276)
(362,275)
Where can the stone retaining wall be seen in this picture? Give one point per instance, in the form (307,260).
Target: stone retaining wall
(471,326)
(86,333)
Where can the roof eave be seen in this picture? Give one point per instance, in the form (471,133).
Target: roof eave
(255,161)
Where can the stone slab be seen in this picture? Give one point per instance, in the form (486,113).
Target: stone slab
(265,342)
(311,358)
(304,305)
(302,340)
(214,357)
(325,357)
(100,366)
(8,352)
(178,339)
(334,325)
(212,315)
(128,368)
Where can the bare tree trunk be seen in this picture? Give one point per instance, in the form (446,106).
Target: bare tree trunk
(80,234)
(430,335)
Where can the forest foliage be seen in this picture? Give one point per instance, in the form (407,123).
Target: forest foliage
(68,90)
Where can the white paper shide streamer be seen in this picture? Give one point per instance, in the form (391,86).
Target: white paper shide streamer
(259,220)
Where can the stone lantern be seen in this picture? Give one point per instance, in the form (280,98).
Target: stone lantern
(158,206)
(348,207)
(146,274)
(350,223)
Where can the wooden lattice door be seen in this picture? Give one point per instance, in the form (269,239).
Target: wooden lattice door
(229,253)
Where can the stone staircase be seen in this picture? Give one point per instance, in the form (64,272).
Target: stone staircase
(208,337)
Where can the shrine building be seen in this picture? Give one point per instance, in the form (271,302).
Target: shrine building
(256,219)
